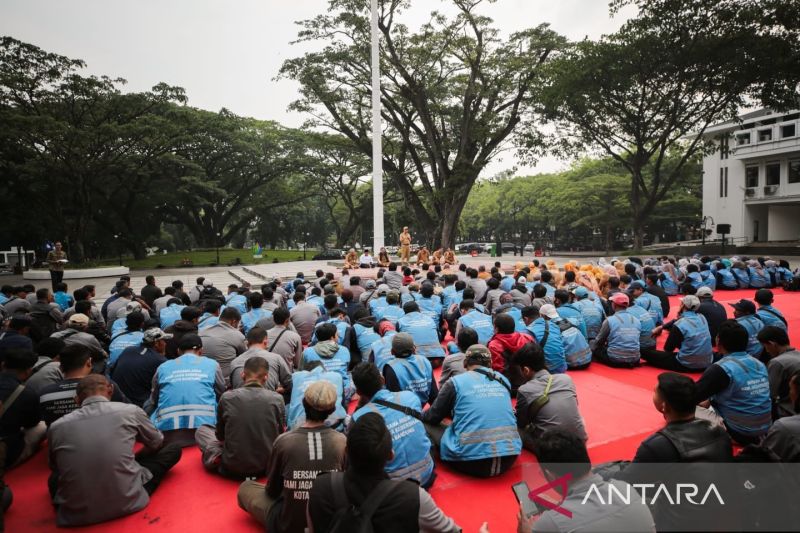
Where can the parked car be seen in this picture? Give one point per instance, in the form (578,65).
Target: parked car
(508,247)
(328,254)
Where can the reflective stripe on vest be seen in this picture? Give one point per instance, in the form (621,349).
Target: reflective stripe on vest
(623,337)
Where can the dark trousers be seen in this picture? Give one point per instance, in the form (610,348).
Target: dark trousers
(56,277)
(489,467)
(158,463)
(665,360)
(600,354)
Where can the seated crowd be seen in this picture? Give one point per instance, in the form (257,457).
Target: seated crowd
(262,381)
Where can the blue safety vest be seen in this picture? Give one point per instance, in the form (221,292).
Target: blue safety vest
(576,349)
(481,323)
(251,318)
(121,341)
(484,424)
(573,314)
(668,283)
(652,305)
(448,296)
(431,307)
(647,324)
(742,276)
(757,281)
(753,324)
(338,362)
(623,337)
(591,316)
(516,313)
(695,279)
(708,279)
(727,279)
(695,351)
(365,337)
(414,374)
(423,330)
(318,301)
(772,317)
(170,314)
(376,304)
(301,380)
(237,301)
(554,355)
(382,350)
(745,405)
(64,300)
(186,395)
(784,274)
(207,320)
(118,326)
(341,330)
(411,446)
(392,313)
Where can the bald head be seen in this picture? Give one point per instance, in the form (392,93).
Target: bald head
(93,385)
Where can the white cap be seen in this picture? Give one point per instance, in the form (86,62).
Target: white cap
(691,302)
(548,310)
(704,291)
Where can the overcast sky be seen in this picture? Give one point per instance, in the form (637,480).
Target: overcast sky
(226,53)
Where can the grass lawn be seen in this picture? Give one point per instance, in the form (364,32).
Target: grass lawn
(205,258)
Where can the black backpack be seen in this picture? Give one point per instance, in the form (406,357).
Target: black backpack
(350,518)
(42,325)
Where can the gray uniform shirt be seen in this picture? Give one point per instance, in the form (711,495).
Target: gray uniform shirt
(279,374)
(784,439)
(73,336)
(222,343)
(249,419)
(304,317)
(780,370)
(393,279)
(493,299)
(94,314)
(46,375)
(560,412)
(289,345)
(452,366)
(477,285)
(594,515)
(16,306)
(98,438)
(112,311)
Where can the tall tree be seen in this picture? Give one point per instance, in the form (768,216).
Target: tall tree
(452,95)
(655,86)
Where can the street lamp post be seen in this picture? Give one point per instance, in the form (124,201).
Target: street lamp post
(217,246)
(704,223)
(305,245)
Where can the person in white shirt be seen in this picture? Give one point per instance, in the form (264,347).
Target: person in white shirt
(366,260)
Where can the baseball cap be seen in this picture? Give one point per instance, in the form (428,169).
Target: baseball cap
(691,302)
(320,395)
(704,291)
(548,310)
(384,326)
(620,299)
(383,288)
(745,306)
(208,283)
(132,307)
(78,319)
(580,292)
(156,334)
(478,353)
(191,341)
(522,279)
(638,284)
(370,283)
(402,344)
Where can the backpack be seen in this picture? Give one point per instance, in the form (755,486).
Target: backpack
(350,518)
(42,325)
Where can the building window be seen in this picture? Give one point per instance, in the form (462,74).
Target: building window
(794,171)
(765,135)
(751,177)
(788,130)
(742,138)
(724,147)
(773,173)
(721,183)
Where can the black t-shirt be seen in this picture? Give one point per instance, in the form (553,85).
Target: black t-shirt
(23,413)
(58,399)
(397,513)
(134,371)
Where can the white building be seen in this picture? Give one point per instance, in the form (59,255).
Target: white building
(753,181)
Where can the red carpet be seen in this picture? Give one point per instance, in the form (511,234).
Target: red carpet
(616,405)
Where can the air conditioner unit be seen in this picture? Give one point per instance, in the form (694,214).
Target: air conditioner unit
(771,189)
(750,191)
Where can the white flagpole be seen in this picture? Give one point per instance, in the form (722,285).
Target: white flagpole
(377,157)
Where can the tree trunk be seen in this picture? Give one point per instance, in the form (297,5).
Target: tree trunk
(638,227)
(448,225)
